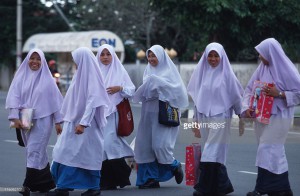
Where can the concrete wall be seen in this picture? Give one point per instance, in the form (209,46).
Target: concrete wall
(243,72)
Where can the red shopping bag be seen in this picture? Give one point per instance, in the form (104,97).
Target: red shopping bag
(192,161)
(261,103)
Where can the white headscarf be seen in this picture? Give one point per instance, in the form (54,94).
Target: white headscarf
(162,81)
(87,87)
(34,89)
(114,74)
(214,90)
(280,70)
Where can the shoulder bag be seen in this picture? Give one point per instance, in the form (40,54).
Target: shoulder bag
(168,115)
(125,124)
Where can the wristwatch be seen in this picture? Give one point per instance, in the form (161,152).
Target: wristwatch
(280,94)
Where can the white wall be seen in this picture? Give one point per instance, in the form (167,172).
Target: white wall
(243,72)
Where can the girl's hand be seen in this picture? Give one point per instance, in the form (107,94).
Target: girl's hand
(248,113)
(79,129)
(197,132)
(17,123)
(241,127)
(58,128)
(271,91)
(113,89)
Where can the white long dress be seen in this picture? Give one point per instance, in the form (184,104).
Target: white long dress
(153,140)
(215,132)
(83,150)
(36,140)
(115,146)
(271,138)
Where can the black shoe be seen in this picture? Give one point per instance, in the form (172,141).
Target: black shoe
(227,191)
(59,192)
(104,188)
(178,173)
(25,191)
(281,193)
(151,183)
(254,193)
(197,193)
(91,192)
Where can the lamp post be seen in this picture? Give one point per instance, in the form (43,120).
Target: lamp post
(19,34)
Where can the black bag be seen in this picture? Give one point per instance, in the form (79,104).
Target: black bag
(19,137)
(168,115)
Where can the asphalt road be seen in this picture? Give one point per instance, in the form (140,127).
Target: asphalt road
(240,162)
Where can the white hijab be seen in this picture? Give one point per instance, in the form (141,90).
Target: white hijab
(114,74)
(280,70)
(162,81)
(87,87)
(214,90)
(34,89)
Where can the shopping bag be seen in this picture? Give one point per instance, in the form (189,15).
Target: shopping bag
(168,115)
(192,161)
(261,103)
(125,124)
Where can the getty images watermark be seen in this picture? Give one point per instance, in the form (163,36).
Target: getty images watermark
(10,189)
(210,125)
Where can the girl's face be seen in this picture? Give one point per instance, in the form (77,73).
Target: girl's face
(105,57)
(213,58)
(34,61)
(265,62)
(152,59)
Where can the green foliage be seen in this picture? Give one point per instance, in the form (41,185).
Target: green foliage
(185,25)
(36,19)
(239,25)
(7,35)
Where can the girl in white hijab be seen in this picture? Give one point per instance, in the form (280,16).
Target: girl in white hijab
(115,171)
(34,87)
(216,93)
(154,144)
(275,67)
(78,152)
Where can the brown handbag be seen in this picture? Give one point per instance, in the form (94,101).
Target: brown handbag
(125,124)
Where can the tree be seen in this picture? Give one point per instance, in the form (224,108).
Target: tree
(36,19)
(130,19)
(187,26)
(238,24)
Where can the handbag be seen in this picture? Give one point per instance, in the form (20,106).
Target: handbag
(192,161)
(168,115)
(19,138)
(125,124)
